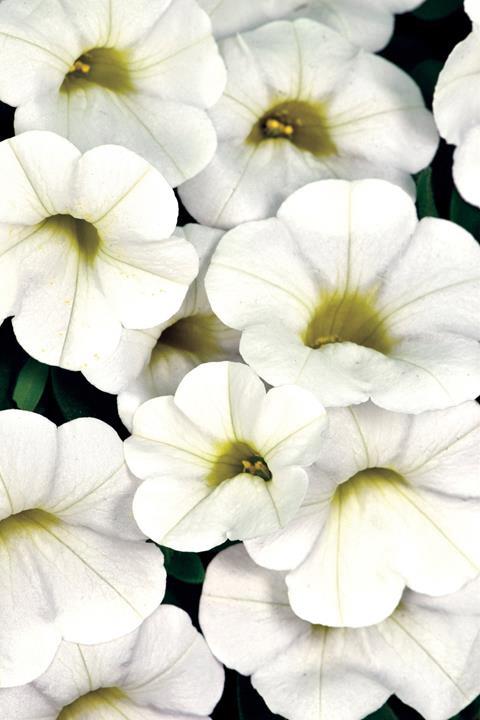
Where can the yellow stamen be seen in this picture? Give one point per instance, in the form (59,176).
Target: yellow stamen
(278,128)
(79,66)
(326,340)
(258,467)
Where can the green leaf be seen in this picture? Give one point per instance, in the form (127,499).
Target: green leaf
(464,214)
(425,200)
(184,566)
(426,75)
(437,9)
(30,384)
(384,713)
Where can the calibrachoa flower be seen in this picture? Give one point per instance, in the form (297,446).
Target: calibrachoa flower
(73,563)
(368,23)
(138,74)
(345,293)
(427,651)
(457,110)
(302,104)
(162,671)
(149,363)
(393,501)
(88,239)
(222,458)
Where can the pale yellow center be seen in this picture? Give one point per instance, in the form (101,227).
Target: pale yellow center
(234,458)
(93,702)
(348,317)
(302,123)
(106,67)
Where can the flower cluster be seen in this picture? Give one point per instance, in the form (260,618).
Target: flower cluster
(296,370)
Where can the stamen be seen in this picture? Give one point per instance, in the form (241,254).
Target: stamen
(256,465)
(80,66)
(326,340)
(276,128)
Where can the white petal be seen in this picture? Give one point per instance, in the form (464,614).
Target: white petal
(162,670)
(286,286)
(123,196)
(126,363)
(177,60)
(341,228)
(289,428)
(99,493)
(303,670)
(36,177)
(379,113)
(230,393)
(60,285)
(260,599)
(456,102)
(26,468)
(178,139)
(471,8)
(465,166)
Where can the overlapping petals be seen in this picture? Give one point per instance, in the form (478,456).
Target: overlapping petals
(89,241)
(149,363)
(456,106)
(393,501)
(345,294)
(368,23)
(162,670)
(103,71)
(74,564)
(222,459)
(302,104)
(427,652)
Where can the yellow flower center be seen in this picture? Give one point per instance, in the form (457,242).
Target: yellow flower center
(348,317)
(82,235)
(105,699)
(302,123)
(196,334)
(106,67)
(234,458)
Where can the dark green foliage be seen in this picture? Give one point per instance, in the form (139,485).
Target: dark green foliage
(30,385)
(426,206)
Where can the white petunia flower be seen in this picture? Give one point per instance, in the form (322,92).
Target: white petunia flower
(73,562)
(368,23)
(149,363)
(346,294)
(138,74)
(88,239)
(393,502)
(456,106)
(303,104)
(162,671)
(222,459)
(427,652)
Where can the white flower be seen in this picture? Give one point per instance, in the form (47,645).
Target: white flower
(222,458)
(368,23)
(456,106)
(73,562)
(345,294)
(393,502)
(149,363)
(163,670)
(88,240)
(138,74)
(303,104)
(427,652)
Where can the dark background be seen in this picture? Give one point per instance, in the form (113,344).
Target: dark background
(421,43)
